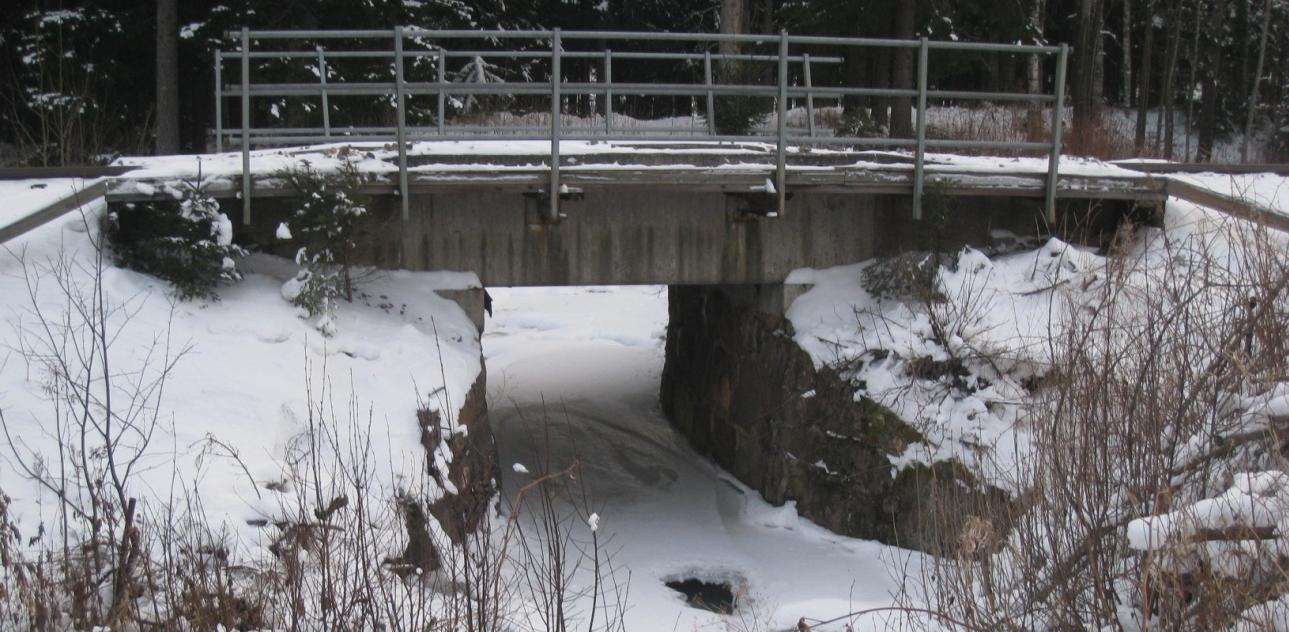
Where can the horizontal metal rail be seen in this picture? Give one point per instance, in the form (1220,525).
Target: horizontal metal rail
(470,54)
(810,71)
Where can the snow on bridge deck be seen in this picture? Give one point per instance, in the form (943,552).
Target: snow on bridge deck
(664,165)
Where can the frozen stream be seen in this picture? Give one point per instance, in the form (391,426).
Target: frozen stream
(591,358)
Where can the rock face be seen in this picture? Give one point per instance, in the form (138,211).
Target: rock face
(743,392)
(473,467)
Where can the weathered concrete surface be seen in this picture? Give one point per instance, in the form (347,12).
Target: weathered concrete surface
(667,237)
(473,301)
(743,392)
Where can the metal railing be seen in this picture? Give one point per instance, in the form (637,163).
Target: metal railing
(540,59)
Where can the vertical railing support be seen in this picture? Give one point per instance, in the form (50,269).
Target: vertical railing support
(556,111)
(810,95)
(608,92)
(711,99)
(1058,114)
(322,88)
(400,90)
(919,150)
(246,126)
(219,101)
(781,168)
(441,75)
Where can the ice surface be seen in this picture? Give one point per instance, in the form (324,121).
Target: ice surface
(590,359)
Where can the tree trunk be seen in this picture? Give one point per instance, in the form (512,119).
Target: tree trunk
(1083,93)
(858,72)
(1190,84)
(1257,79)
(1098,60)
(1208,109)
(1164,124)
(1243,37)
(734,21)
(167,123)
(1125,89)
(1143,86)
(881,75)
(903,69)
(1034,72)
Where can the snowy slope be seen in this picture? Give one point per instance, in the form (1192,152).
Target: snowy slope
(1004,318)
(238,395)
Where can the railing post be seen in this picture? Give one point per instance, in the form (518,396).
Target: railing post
(556,110)
(810,95)
(711,99)
(400,91)
(322,87)
(781,169)
(441,74)
(919,151)
(246,126)
(219,101)
(608,92)
(1058,114)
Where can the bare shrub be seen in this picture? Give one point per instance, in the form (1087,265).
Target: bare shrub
(103,410)
(1148,409)
(349,544)
(1099,138)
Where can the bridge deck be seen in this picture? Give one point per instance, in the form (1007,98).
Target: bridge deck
(653,166)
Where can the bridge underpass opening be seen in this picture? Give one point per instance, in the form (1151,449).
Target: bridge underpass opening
(574,375)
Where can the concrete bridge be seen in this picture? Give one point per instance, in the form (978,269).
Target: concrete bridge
(677,213)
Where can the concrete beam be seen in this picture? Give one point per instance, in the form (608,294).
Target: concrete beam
(671,237)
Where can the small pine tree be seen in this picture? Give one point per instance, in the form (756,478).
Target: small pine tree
(187,241)
(858,122)
(326,226)
(479,71)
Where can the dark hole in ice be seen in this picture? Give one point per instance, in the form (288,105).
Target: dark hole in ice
(717,597)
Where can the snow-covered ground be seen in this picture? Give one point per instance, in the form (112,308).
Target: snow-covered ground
(591,358)
(237,401)
(588,359)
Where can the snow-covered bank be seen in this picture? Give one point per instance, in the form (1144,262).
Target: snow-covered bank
(1132,401)
(591,358)
(233,408)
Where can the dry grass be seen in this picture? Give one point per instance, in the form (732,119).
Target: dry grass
(1140,414)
